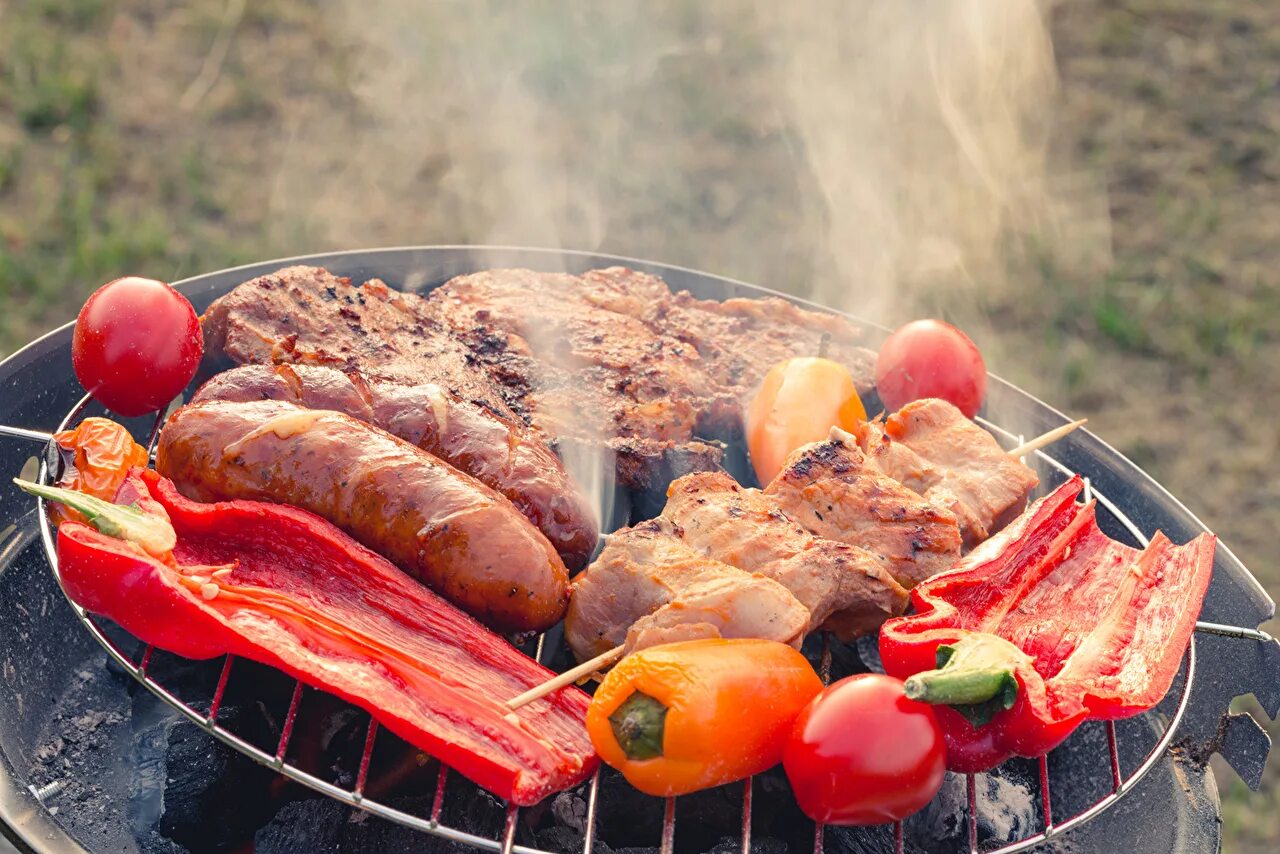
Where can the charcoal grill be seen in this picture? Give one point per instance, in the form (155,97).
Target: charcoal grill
(1143,782)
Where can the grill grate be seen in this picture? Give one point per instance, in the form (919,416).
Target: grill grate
(274,757)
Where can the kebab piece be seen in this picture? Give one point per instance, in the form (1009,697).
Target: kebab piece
(837,492)
(846,589)
(392,364)
(444,527)
(932,448)
(474,440)
(648,588)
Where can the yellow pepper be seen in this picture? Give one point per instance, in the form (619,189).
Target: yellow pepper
(691,715)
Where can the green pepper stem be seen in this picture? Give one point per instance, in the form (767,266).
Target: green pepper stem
(639,724)
(974,670)
(126,522)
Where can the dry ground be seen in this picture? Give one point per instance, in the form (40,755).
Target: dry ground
(140,137)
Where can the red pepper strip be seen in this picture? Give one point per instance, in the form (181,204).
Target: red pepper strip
(1088,628)
(283,587)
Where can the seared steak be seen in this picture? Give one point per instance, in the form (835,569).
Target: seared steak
(613,358)
(610,363)
(378,355)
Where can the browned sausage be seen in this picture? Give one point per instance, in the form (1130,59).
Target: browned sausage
(444,527)
(491,449)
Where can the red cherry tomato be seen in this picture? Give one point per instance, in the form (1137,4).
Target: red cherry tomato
(137,344)
(862,753)
(930,358)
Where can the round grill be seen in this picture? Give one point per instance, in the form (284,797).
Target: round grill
(1147,737)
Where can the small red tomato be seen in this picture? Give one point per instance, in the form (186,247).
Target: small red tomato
(862,753)
(137,344)
(930,358)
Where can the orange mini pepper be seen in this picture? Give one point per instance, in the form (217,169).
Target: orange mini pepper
(692,715)
(798,402)
(98,454)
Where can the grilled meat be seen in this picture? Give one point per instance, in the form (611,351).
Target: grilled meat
(472,439)
(442,526)
(613,358)
(647,587)
(836,491)
(389,357)
(844,587)
(931,447)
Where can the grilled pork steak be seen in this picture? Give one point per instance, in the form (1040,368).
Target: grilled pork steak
(472,439)
(614,357)
(608,363)
(444,527)
(390,363)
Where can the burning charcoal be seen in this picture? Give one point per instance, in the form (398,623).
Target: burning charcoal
(866,840)
(566,841)
(313,825)
(368,834)
(759,845)
(1008,810)
(214,796)
(471,809)
(845,658)
(624,815)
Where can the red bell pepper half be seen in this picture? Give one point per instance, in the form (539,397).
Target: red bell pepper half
(1043,626)
(285,588)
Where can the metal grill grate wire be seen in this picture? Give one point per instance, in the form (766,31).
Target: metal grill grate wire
(506,843)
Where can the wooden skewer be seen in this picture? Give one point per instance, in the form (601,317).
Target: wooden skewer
(1047,438)
(570,676)
(606,658)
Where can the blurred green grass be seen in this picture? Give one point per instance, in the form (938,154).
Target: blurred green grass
(106,171)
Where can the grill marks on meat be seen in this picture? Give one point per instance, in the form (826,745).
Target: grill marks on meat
(845,588)
(379,355)
(647,588)
(308,316)
(613,358)
(930,446)
(444,527)
(837,492)
(472,439)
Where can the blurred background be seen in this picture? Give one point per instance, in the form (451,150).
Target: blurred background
(1089,188)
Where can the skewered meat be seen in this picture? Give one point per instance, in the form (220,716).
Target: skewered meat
(442,526)
(931,447)
(844,587)
(834,490)
(647,588)
(472,439)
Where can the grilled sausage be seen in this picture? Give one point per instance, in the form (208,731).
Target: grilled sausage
(442,526)
(491,449)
